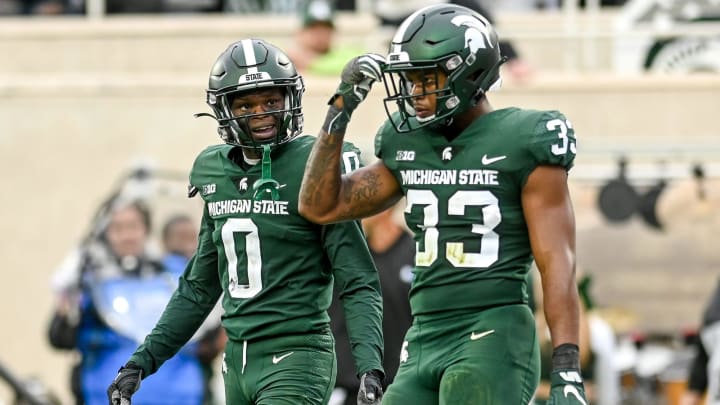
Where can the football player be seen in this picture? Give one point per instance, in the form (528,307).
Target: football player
(486,194)
(273,268)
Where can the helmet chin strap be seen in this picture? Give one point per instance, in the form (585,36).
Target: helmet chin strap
(266,184)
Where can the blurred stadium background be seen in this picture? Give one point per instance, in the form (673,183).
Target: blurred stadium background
(84,98)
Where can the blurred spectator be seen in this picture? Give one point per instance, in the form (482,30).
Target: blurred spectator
(392,12)
(109,293)
(393,251)
(314,51)
(179,238)
(704,376)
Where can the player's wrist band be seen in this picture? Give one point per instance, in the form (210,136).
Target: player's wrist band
(566,357)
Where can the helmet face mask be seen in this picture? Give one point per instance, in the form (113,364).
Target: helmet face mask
(420,92)
(457,43)
(248,67)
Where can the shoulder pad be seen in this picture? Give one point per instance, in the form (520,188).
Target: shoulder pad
(386,129)
(206,161)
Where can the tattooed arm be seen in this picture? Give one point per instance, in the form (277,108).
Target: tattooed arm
(327,196)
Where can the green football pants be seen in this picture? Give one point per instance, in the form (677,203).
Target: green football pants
(288,370)
(490,357)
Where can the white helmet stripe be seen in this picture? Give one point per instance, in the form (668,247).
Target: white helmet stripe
(249,53)
(400,33)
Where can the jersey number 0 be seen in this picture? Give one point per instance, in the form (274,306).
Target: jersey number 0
(252,250)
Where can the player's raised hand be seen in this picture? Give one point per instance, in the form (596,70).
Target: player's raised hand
(356,79)
(370,392)
(126,383)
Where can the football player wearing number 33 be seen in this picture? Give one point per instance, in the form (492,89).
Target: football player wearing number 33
(274,269)
(486,194)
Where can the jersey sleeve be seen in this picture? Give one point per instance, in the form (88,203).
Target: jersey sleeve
(350,158)
(359,291)
(198,291)
(551,142)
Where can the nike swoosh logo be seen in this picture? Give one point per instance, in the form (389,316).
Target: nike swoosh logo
(474,336)
(569,389)
(486,160)
(278,359)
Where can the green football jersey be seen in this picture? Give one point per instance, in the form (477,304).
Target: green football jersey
(464,203)
(274,269)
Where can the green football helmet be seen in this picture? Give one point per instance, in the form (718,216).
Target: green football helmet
(248,65)
(449,38)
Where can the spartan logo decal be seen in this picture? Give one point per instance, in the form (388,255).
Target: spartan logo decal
(243,184)
(448,152)
(477,35)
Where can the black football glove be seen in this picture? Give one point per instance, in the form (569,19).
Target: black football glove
(566,384)
(356,78)
(125,385)
(371,391)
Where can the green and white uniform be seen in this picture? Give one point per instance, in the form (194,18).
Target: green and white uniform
(275,272)
(473,252)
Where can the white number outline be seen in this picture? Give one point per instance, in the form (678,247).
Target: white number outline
(454,251)
(351,161)
(252,250)
(565,143)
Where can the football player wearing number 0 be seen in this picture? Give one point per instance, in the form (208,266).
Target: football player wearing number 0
(274,269)
(486,194)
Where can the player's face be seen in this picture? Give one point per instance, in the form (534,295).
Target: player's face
(126,233)
(423,84)
(259,105)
